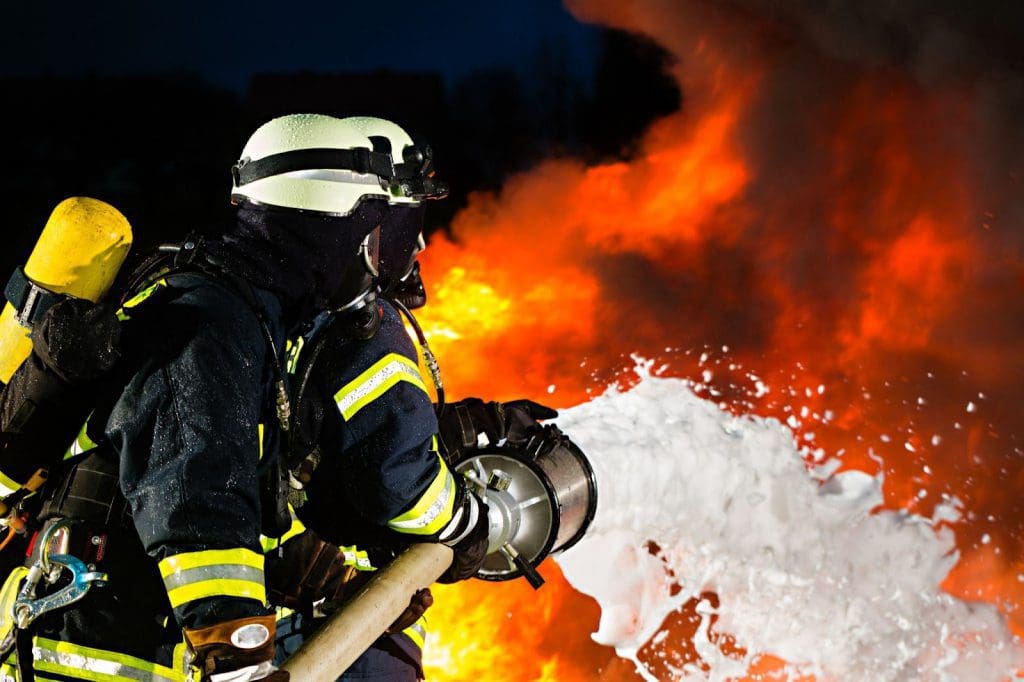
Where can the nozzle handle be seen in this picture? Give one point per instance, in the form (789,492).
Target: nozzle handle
(529,572)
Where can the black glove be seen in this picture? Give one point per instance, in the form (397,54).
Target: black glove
(467,535)
(463,423)
(304,570)
(46,401)
(78,340)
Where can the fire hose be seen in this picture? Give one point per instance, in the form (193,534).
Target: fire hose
(541,499)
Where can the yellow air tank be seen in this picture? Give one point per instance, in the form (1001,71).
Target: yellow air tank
(82,247)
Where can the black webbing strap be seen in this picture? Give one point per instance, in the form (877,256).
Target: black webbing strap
(359,160)
(23,647)
(467,429)
(89,492)
(30,300)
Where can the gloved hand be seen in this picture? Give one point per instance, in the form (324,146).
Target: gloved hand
(467,535)
(418,605)
(471,423)
(237,650)
(304,570)
(78,340)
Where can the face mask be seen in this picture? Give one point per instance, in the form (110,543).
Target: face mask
(320,249)
(390,251)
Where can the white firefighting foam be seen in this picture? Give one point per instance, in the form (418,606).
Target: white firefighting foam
(802,567)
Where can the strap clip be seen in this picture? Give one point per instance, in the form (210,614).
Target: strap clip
(30,300)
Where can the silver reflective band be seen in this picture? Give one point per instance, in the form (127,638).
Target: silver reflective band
(452,526)
(474,514)
(5,487)
(433,512)
(347,404)
(250,636)
(190,576)
(90,668)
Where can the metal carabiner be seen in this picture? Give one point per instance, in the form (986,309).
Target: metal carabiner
(28,607)
(44,543)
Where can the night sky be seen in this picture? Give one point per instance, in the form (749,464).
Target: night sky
(226,43)
(146,105)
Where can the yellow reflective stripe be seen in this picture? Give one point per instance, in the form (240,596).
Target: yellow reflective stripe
(8,486)
(356,558)
(375,381)
(10,668)
(82,442)
(122,312)
(243,589)
(433,511)
(259,437)
(210,557)
(8,596)
(293,350)
(417,632)
(144,294)
(97,665)
(213,573)
(209,573)
(297,528)
(182,657)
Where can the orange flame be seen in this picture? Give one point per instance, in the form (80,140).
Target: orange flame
(823,262)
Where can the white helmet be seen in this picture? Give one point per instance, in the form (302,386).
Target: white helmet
(313,162)
(413,179)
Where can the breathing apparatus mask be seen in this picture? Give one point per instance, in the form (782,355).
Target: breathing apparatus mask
(389,252)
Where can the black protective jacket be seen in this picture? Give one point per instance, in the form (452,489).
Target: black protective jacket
(368,422)
(187,420)
(191,426)
(193,419)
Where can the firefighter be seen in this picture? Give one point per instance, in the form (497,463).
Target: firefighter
(364,443)
(190,421)
(371,472)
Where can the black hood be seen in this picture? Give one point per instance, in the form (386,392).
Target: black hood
(302,257)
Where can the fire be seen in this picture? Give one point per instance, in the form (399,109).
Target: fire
(506,631)
(807,239)
(907,288)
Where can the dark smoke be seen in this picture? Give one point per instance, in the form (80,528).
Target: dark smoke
(870,116)
(938,40)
